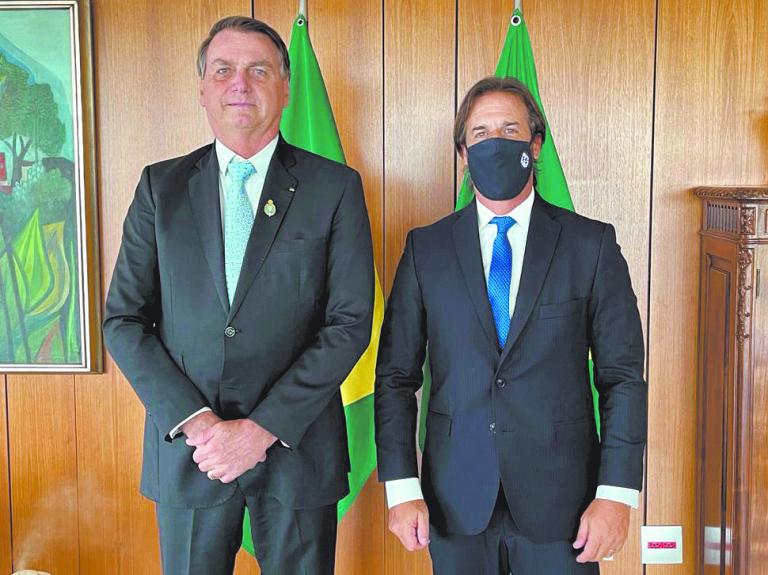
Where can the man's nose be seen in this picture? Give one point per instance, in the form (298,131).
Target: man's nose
(239,81)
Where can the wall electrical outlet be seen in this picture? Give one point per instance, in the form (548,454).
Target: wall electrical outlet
(662,544)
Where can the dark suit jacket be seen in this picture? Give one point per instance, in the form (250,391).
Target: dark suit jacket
(300,318)
(522,417)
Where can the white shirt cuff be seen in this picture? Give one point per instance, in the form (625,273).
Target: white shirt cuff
(402,490)
(623,495)
(177,430)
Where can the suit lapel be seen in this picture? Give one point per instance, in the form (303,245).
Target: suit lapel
(543,233)
(466,240)
(203,194)
(279,186)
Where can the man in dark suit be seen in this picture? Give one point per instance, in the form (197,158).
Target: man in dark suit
(241,298)
(509,295)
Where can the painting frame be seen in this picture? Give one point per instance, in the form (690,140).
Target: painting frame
(82,339)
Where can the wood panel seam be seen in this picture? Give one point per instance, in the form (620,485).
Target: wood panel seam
(8,470)
(384,271)
(455,93)
(650,252)
(77,468)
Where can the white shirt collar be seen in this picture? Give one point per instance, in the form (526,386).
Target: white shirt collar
(521,214)
(260,159)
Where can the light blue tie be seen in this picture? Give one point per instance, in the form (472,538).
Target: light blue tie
(238,221)
(500,277)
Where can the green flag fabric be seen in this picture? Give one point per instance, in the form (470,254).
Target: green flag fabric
(308,123)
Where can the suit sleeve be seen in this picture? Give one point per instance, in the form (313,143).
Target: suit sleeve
(399,374)
(304,390)
(618,355)
(133,313)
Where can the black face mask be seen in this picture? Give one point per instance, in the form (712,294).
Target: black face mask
(500,168)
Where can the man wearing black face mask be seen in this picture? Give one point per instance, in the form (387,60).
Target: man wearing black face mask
(510,295)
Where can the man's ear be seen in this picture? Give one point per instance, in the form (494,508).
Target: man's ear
(536,146)
(286,92)
(463,156)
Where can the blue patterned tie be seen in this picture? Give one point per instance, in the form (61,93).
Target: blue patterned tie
(500,277)
(238,221)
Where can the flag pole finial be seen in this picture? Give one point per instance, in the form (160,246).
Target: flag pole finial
(517,19)
(303,8)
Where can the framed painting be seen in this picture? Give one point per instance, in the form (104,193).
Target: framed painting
(49,272)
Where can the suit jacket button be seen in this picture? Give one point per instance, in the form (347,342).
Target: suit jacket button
(501,383)
(230,331)
(492,427)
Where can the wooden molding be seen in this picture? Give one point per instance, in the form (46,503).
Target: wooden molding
(743,329)
(732,192)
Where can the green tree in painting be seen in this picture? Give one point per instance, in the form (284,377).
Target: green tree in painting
(29,117)
(38,283)
(46,190)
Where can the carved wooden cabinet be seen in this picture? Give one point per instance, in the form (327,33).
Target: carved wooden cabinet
(732,474)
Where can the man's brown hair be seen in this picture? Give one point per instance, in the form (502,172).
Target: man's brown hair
(491,85)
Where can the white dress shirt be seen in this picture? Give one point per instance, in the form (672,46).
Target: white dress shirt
(253,187)
(409,489)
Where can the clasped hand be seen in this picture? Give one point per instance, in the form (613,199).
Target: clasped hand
(224,450)
(409,521)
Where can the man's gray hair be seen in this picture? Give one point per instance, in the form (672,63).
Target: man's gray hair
(245,24)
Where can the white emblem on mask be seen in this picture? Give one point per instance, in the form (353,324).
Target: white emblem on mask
(524,160)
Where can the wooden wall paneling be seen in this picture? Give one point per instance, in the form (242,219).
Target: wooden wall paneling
(482,27)
(117,525)
(5,493)
(419,47)
(419,104)
(43,463)
(597,91)
(147,110)
(711,127)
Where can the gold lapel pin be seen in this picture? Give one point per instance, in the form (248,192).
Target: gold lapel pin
(270,209)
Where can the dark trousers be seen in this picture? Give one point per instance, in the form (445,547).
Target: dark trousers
(501,550)
(286,541)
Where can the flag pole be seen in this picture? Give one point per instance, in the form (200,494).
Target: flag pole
(519,5)
(303,7)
